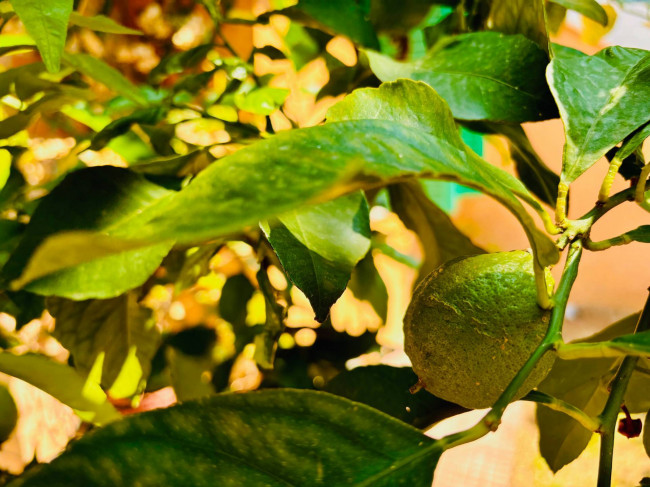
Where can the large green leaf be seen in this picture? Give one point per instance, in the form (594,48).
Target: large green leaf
(95,201)
(271,438)
(388,389)
(582,383)
(318,247)
(62,382)
(47,23)
(507,85)
(588,8)
(441,240)
(337,17)
(602,99)
(116,335)
(107,75)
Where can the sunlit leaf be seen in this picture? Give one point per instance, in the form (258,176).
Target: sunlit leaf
(274,437)
(47,23)
(63,383)
(117,333)
(613,102)
(262,101)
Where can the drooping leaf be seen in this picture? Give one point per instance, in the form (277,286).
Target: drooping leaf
(95,201)
(524,17)
(582,383)
(47,23)
(274,437)
(441,240)
(367,285)
(508,84)
(317,264)
(588,8)
(613,102)
(336,17)
(8,414)
(63,383)
(98,70)
(101,23)
(117,334)
(387,389)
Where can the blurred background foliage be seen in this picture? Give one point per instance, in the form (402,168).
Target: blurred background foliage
(167,87)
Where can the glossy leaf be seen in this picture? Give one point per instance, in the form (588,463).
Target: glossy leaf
(387,389)
(613,102)
(274,438)
(524,17)
(101,23)
(440,239)
(317,264)
(47,23)
(107,75)
(117,336)
(588,8)
(508,85)
(81,213)
(8,414)
(63,383)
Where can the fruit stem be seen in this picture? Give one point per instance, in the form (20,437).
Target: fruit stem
(551,402)
(613,406)
(491,420)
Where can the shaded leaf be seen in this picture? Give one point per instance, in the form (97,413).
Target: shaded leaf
(23,119)
(266,341)
(122,125)
(107,75)
(179,62)
(47,23)
(8,414)
(613,102)
(63,383)
(387,389)
(101,23)
(99,199)
(319,266)
(188,375)
(367,285)
(23,306)
(646,434)
(524,17)
(397,16)
(117,336)
(507,86)
(275,438)
(588,8)
(441,240)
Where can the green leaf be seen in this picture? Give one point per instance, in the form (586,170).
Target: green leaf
(612,102)
(67,250)
(101,23)
(387,389)
(367,285)
(646,434)
(5,167)
(398,16)
(117,336)
(107,75)
(179,62)
(319,265)
(508,84)
(121,126)
(588,8)
(188,374)
(582,383)
(23,119)
(273,437)
(336,17)
(520,17)
(440,239)
(8,414)
(63,383)
(47,23)
(263,101)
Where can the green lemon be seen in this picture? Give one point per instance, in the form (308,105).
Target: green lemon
(472,324)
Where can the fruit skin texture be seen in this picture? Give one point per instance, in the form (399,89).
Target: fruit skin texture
(472,324)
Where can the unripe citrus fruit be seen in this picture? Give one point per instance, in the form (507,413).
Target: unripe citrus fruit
(472,324)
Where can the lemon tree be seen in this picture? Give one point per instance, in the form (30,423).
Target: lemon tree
(187,190)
